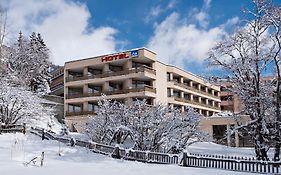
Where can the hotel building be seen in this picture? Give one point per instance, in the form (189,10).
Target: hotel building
(130,75)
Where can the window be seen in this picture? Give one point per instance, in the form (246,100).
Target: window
(94,89)
(92,107)
(136,64)
(168,77)
(74,108)
(169,92)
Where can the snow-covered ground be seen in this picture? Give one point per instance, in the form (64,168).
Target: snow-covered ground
(16,149)
(216,149)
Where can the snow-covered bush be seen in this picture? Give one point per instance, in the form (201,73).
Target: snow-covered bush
(154,128)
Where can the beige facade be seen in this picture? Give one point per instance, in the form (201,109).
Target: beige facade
(130,75)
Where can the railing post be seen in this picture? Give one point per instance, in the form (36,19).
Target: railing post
(184,157)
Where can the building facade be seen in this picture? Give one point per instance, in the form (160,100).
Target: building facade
(131,75)
(57,82)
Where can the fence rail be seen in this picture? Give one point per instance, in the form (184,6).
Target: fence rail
(237,164)
(12,128)
(143,156)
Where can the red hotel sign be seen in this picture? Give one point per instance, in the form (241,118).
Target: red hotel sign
(118,56)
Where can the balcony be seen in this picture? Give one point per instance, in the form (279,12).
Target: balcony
(227,103)
(69,114)
(111,74)
(195,103)
(194,89)
(114,92)
(57,86)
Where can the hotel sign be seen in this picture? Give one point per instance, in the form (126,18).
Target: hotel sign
(134,53)
(119,56)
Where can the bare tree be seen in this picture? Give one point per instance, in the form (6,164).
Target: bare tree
(247,55)
(3,25)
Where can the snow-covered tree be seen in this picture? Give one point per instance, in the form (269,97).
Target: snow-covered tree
(154,128)
(29,63)
(246,55)
(18,105)
(3,26)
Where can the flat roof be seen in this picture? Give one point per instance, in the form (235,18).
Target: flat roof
(109,54)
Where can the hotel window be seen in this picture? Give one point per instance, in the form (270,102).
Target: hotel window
(115,68)
(140,84)
(74,108)
(168,76)
(92,107)
(137,65)
(115,86)
(169,92)
(94,72)
(176,94)
(94,89)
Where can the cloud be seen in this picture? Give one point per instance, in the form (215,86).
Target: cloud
(171,4)
(202,17)
(158,10)
(64,26)
(207,4)
(177,42)
(153,13)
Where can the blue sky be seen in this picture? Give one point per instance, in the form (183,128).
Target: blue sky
(180,31)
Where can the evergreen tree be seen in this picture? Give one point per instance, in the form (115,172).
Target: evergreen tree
(29,63)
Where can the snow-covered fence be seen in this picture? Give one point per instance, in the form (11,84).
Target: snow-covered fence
(151,157)
(12,128)
(233,163)
(128,154)
(222,156)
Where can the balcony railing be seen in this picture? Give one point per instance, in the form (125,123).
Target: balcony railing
(57,86)
(194,89)
(195,103)
(110,73)
(80,113)
(113,92)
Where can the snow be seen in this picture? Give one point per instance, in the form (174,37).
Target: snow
(216,149)
(16,149)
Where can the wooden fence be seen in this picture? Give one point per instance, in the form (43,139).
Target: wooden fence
(231,163)
(12,128)
(143,156)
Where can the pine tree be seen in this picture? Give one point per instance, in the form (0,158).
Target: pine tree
(29,62)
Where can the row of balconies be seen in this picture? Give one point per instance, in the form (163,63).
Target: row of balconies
(184,100)
(112,73)
(112,92)
(192,88)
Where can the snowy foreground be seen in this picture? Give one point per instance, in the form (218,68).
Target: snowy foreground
(16,149)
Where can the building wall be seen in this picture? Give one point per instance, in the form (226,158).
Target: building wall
(161,83)
(177,90)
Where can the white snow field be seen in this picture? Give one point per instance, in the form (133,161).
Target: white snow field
(17,149)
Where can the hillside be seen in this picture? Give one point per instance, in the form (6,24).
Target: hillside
(17,149)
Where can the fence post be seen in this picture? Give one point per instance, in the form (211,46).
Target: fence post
(43,134)
(24,128)
(184,159)
(116,152)
(42,158)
